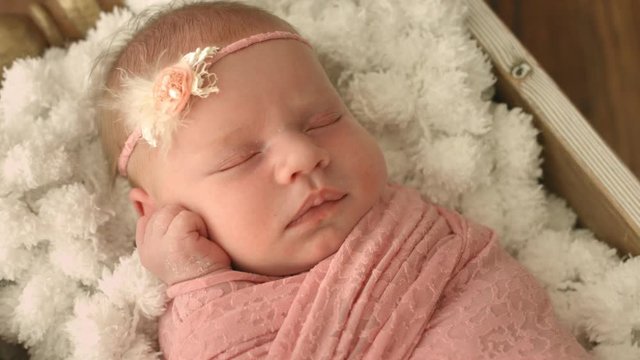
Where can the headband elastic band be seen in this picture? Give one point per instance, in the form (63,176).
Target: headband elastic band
(133,138)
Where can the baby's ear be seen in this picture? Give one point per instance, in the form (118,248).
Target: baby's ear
(141,201)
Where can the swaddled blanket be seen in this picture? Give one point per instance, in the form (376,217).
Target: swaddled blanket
(412,280)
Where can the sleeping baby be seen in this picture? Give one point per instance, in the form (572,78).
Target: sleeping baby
(266,208)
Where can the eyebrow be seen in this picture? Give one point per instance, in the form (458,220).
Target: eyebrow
(230,136)
(234,136)
(212,158)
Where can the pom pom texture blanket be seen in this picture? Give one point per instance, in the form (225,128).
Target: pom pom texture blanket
(71,285)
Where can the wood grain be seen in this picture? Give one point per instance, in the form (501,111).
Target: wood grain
(591,48)
(29,27)
(578,165)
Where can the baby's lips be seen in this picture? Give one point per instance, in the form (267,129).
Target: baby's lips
(316,198)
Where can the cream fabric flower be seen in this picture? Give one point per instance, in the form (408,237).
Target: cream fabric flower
(172,89)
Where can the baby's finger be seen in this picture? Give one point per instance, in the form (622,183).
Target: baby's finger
(160,221)
(185,224)
(201,226)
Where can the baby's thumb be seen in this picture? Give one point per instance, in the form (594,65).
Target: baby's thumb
(201,227)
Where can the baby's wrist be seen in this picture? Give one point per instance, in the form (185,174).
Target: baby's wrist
(193,270)
(219,269)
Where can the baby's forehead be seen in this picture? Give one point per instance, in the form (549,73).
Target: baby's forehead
(277,76)
(221,127)
(282,65)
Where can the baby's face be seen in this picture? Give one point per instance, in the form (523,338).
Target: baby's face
(275,136)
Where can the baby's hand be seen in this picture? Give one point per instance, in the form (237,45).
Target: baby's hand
(174,245)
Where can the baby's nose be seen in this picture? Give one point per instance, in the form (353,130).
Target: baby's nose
(297,155)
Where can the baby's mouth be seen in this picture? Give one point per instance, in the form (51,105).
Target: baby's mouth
(317,206)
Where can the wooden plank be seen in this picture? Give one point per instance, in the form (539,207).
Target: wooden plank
(591,49)
(578,165)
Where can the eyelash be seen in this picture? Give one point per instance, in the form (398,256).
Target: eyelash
(245,158)
(333,121)
(251,155)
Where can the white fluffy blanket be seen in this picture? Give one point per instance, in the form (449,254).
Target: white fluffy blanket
(71,286)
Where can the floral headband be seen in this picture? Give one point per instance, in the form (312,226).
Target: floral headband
(159,103)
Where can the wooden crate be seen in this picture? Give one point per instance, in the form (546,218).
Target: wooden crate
(578,165)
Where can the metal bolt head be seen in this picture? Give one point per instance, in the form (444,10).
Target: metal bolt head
(521,70)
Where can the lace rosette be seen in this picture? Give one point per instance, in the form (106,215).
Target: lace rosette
(157,106)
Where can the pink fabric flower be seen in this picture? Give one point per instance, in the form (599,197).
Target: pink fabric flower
(172,88)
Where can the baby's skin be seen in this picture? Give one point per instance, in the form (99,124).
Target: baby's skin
(249,162)
(173,244)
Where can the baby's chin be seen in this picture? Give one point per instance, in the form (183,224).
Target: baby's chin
(280,271)
(312,249)
(296,263)
(286,268)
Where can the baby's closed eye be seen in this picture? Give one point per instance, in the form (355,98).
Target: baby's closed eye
(236,160)
(241,157)
(324,121)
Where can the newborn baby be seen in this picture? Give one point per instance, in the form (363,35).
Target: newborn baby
(265,206)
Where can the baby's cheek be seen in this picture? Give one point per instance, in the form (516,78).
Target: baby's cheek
(369,159)
(372,169)
(244,251)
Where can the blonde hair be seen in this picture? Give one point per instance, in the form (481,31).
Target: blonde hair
(159,38)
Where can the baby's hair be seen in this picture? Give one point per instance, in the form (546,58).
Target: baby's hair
(158,38)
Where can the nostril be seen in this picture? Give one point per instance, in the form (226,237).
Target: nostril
(294,175)
(323,161)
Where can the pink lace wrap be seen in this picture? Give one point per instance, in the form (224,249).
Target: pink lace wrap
(411,281)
